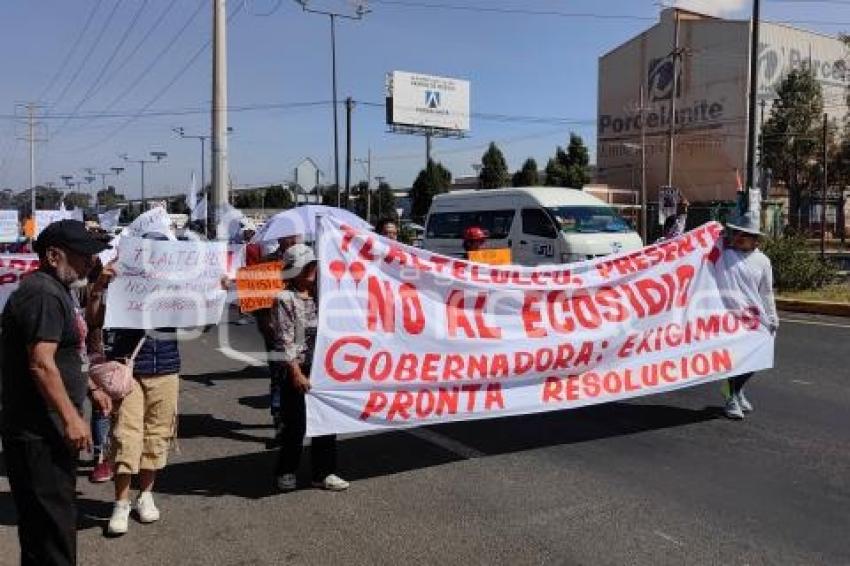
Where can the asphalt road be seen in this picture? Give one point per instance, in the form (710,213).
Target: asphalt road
(660,480)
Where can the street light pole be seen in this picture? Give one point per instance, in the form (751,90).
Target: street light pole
(753,103)
(158,156)
(360,11)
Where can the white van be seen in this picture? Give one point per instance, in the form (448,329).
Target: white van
(541,225)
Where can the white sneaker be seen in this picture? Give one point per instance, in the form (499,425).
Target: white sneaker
(332,483)
(287,482)
(745,404)
(733,409)
(120,519)
(145,507)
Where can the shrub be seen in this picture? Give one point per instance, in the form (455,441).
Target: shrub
(794,267)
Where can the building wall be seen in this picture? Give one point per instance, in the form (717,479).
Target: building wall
(710,148)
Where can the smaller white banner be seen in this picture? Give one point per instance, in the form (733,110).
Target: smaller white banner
(44,218)
(162,284)
(155,220)
(109,219)
(9,227)
(12,268)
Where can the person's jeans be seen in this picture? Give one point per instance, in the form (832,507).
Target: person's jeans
(100,432)
(43,477)
(323,452)
(736,384)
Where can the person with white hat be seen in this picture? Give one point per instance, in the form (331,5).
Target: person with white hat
(745,277)
(294,323)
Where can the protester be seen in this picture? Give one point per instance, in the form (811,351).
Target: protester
(745,278)
(294,320)
(94,303)
(145,422)
(675,224)
(387,228)
(474,239)
(44,389)
(264,325)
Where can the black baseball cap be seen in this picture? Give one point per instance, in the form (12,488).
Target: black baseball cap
(70,234)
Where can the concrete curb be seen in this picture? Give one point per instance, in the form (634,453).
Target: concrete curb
(813,307)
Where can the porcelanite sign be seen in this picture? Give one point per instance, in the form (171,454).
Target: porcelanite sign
(408,338)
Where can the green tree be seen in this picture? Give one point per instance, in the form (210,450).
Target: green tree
(528,175)
(77,200)
(569,168)
(791,135)
(276,197)
(109,198)
(431,181)
(383,202)
(329,195)
(494,169)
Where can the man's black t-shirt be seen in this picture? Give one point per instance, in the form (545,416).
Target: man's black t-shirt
(40,310)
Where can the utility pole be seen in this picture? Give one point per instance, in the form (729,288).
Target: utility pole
(644,201)
(157,157)
(823,187)
(32,138)
(220,176)
(360,10)
(672,134)
(349,106)
(427,148)
(751,136)
(380,180)
(368,162)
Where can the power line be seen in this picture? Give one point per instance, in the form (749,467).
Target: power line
(164,89)
(88,54)
(93,86)
(511,11)
(72,51)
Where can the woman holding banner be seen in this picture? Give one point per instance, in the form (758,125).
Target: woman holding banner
(294,323)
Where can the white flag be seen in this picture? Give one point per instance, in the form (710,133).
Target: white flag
(109,219)
(192,197)
(200,211)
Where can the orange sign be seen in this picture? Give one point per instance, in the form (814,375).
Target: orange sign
(257,285)
(499,256)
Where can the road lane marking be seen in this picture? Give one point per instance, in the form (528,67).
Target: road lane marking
(241,357)
(668,538)
(801,382)
(450,444)
(814,322)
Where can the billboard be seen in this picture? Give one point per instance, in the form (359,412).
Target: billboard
(427,101)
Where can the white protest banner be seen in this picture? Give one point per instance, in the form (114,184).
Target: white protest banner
(44,218)
(161,283)
(109,219)
(408,338)
(156,220)
(76,214)
(12,268)
(10,230)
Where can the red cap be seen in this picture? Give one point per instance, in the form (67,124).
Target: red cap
(474,233)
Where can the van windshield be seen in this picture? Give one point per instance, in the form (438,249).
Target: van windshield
(588,219)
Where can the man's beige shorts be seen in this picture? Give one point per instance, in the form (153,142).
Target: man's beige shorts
(145,424)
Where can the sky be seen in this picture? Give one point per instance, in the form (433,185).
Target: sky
(125,57)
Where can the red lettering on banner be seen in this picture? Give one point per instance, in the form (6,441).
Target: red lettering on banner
(484,331)
(613,310)
(476,274)
(453,368)
(402,401)
(552,389)
(523,362)
(653,294)
(559,299)
(396,255)
(406,368)
(429,367)
(458,269)
(381,305)
(447,400)
(493,397)
(356,373)
(376,403)
(456,316)
(499,367)
(411,309)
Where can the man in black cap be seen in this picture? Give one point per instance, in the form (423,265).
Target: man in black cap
(44,389)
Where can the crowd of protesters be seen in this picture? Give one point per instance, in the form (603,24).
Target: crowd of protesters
(52,330)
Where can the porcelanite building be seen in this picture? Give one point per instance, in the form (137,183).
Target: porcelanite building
(711,99)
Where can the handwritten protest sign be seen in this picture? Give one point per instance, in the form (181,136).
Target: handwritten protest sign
(44,218)
(258,284)
(166,284)
(407,337)
(9,227)
(155,221)
(498,256)
(109,219)
(12,268)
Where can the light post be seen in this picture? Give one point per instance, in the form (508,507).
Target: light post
(157,157)
(360,10)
